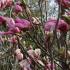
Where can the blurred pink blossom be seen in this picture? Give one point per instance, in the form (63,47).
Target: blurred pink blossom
(31,53)
(17,8)
(22,23)
(17,51)
(51,23)
(19,56)
(10,22)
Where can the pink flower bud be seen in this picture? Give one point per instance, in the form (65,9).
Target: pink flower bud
(19,56)
(31,53)
(17,8)
(17,51)
(37,53)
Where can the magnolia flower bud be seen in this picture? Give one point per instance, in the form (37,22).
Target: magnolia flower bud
(31,53)
(37,52)
(17,8)
(17,51)
(19,56)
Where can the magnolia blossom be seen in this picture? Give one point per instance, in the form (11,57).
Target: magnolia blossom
(17,8)
(11,25)
(17,51)
(51,23)
(37,53)
(22,23)
(64,3)
(31,53)
(19,56)
(14,26)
